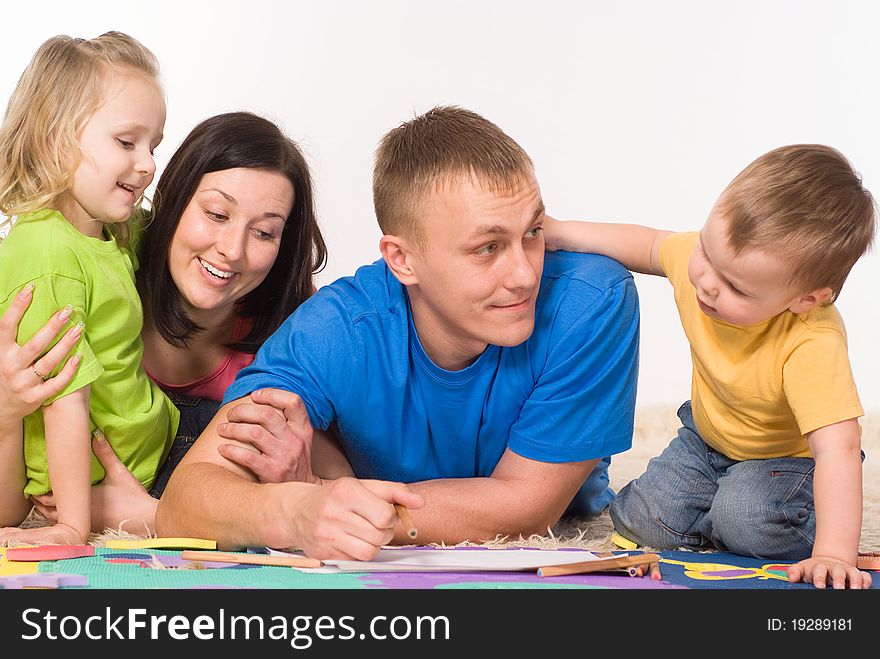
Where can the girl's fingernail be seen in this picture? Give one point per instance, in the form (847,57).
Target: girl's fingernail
(75,359)
(65,312)
(77,329)
(27,290)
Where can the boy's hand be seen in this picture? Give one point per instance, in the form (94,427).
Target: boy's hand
(551,229)
(817,570)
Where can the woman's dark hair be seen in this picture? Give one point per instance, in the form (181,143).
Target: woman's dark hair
(229,141)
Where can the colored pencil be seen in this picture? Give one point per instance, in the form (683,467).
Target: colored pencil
(250,559)
(406,520)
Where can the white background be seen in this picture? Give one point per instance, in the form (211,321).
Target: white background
(636,111)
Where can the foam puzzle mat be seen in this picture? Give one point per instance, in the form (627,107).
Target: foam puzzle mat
(112,568)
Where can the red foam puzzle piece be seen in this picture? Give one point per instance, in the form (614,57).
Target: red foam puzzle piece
(49,552)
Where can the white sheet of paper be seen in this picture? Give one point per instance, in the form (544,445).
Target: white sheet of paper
(458,560)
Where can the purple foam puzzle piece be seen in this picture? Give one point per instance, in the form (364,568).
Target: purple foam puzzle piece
(44,580)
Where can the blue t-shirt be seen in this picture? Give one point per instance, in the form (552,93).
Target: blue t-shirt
(566,394)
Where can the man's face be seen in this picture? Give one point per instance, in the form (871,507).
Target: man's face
(479,271)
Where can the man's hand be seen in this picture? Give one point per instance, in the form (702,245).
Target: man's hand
(817,570)
(349,519)
(22,387)
(277,432)
(119,502)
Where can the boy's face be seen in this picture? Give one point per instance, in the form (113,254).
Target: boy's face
(741,289)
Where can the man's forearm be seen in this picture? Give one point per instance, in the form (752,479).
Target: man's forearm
(475,509)
(207,501)
(521,497)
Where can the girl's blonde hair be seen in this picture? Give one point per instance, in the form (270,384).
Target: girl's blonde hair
(56,95)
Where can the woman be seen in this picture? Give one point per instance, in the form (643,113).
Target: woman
(228,254)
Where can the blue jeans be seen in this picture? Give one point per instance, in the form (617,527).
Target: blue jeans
(694,497)
(195,415)
(594,495)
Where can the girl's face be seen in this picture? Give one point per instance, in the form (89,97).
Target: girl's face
(228,238)
(116,147)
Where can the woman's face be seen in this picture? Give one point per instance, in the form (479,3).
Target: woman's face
(228,238)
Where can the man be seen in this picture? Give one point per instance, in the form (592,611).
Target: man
(463,363)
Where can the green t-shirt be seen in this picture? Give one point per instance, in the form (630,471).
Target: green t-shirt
(96,277)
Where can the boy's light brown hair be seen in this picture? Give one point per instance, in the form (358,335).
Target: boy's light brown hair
(443,146)
(806,204)
(56,95)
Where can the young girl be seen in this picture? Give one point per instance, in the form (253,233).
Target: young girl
(76,154)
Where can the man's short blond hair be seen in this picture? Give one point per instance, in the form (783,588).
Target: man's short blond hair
(806,204)
(56,95)
(444,146)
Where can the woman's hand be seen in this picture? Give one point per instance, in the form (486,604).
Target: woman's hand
(23,386)
(119,502)
(273,437)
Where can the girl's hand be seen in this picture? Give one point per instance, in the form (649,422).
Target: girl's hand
(57,534)
(23,387)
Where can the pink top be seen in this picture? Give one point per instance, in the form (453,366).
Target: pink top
(214,384)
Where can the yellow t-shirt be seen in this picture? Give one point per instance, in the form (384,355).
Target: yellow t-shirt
(757,391)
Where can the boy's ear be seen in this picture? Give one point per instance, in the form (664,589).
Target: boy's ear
(399,256)
(812,299)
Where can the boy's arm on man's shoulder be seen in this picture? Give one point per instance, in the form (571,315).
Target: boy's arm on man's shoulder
(635,247)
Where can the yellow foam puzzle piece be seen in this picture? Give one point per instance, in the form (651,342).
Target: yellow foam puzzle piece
(163,543)
(622,542)
(14,568)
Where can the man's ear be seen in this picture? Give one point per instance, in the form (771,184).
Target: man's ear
(814,298)
(398,255)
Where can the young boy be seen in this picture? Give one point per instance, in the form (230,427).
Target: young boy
(768,460)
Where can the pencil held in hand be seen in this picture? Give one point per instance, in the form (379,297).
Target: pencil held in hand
(406,520)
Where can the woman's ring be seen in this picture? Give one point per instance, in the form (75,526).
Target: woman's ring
(37,373)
